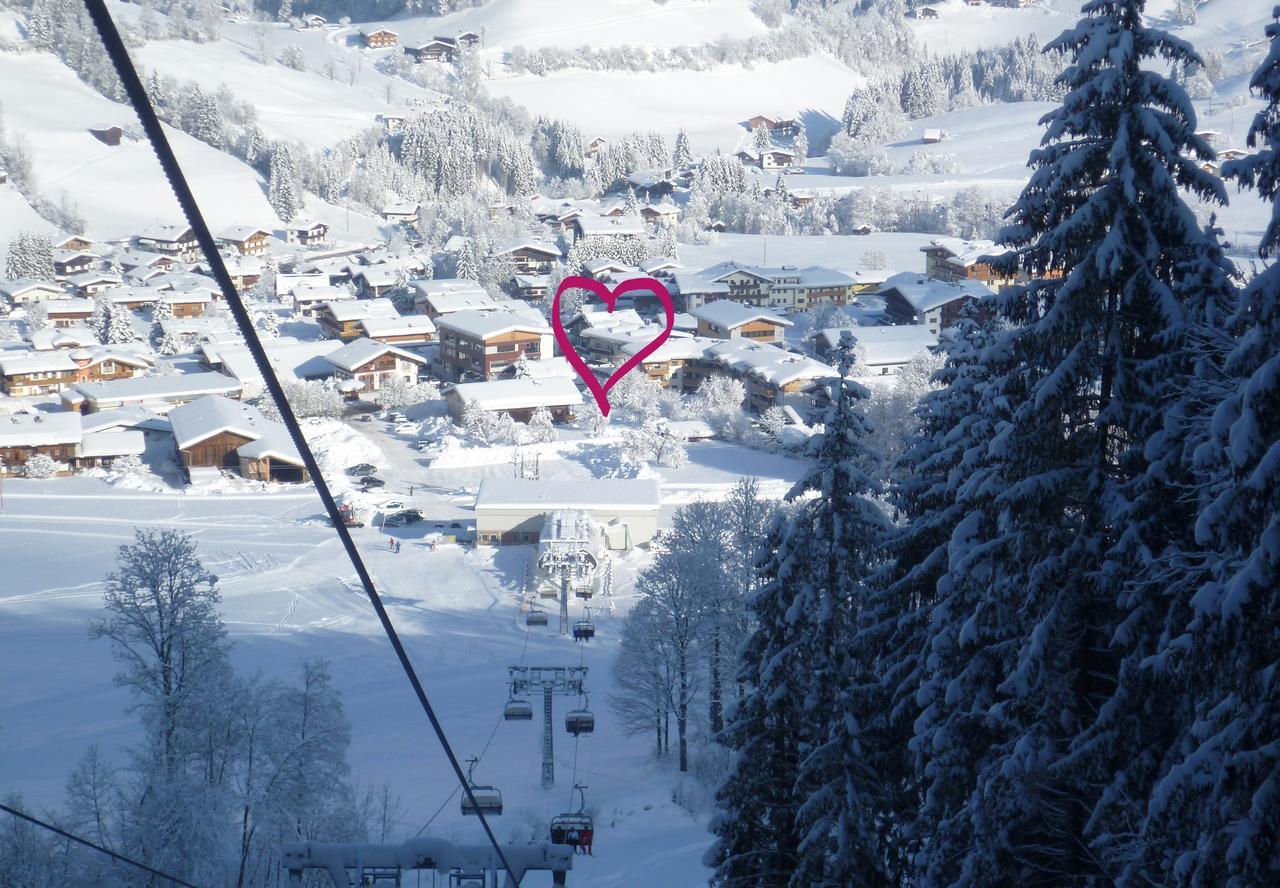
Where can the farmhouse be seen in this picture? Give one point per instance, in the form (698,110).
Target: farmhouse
(443,296)
(771,375)
(25,290)
(678,362)
(90,283)
(517,397)
(373,364)
(953,259)
(915,299)
(341,320)
(726,319)
(407,331)
(69,262)
(774,123)
(175,241)
(68,312)
(530,257)
(881,350)
(307,300)
(402,211)
(481,345)
(247,240)
(24,373)
(220,433)
(588,225)
(159,393)
(62,437)
(376,280)
(306,234)
(513,511)
(772,158)
(437,49)
(378,38)
(786,288)
(289,358)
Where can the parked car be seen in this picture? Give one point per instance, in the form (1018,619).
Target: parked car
(413,516)
(360,470)
(395,416)
(364,417)
(396,520)
(370,481)
(392,506)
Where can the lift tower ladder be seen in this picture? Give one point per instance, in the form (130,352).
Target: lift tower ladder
(566,681)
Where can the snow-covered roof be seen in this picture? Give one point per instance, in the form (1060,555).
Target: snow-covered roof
(309,294)
(961,253)
(40,429)
(165,234)
(359,309)
(512,246)
(123,418)
(726,313)
(630,494)
(610,226)
(519,394)
(484,324)
(766,362)
(153,388)
(649,266)
(550,367)
(61,337)
(288,357)
(384,275)
(117,443)
(67,306)
(61,360)
(241,233)
(205,417)
(883,345)
(358,352)
(599,264)
(407,325)
(138,258)
(677,348)
(15,288)
(925,293)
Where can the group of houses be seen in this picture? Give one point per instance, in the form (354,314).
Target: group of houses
(435,49)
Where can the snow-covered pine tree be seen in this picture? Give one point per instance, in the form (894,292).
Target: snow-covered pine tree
(118,328)
(1214,813)
(682,155)
(760,140)
(1100,229)
(819,794)
(468,268)
(30,256)
(631,206)
(284,190)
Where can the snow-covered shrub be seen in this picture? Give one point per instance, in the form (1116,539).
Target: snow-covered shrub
(41,466)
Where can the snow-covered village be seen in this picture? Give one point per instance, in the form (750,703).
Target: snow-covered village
(608,443)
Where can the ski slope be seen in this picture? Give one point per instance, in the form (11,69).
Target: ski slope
(288,593)
(121,190)
(594,23)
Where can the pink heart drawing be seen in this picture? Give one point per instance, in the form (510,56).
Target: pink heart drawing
(609,298)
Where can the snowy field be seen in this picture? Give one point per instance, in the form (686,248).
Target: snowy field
(599,23)
(710,104)
(289,594)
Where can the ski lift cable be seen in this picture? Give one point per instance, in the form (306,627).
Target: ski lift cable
(142,106)
(449,799)
(101,850)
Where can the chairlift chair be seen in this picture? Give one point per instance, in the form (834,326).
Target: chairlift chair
(535,618)
(579,721)
(518,710)
(584,629)
(488,799)
(575,829)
